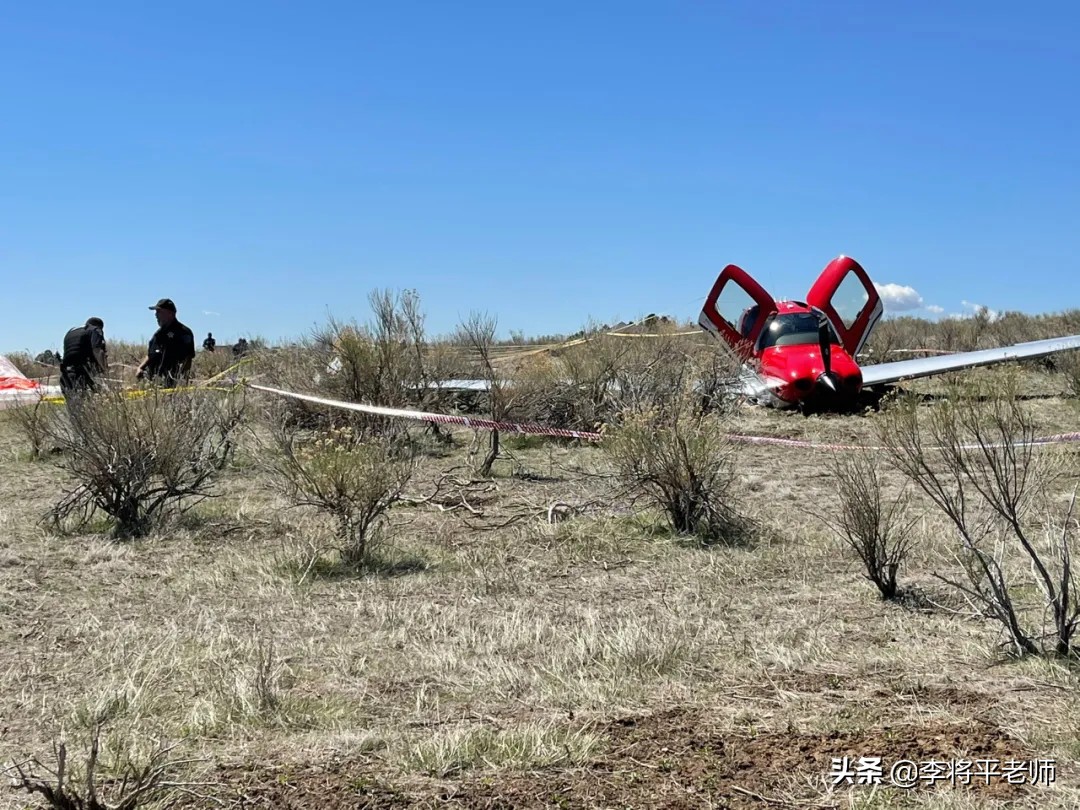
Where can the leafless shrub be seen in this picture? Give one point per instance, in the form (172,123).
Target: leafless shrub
(211,364)
(591,383)
(582,387)
(142,458)
(680,458)
(875,530)
(300,368)
(507,397)
(134,785)
(1069,365)
(899,334)
(985,475)
(389,361)
(353,481)
(227,418)
(36,422)
(960,334)
(568,386)
(979,329)
(654,371)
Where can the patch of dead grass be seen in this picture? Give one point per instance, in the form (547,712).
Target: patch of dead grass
(500,658)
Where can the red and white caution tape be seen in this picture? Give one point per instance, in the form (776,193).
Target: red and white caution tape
(1056,438)
(439,418)
(543,430)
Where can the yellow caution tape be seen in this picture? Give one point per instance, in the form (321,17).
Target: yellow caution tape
(661,335)
(230,369)
(139,393)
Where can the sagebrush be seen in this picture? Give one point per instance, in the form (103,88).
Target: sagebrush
(352,479)
(974,456)
(141,458)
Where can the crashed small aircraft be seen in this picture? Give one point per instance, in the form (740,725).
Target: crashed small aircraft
(802,353)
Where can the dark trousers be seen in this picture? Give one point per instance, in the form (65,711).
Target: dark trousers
(75,380)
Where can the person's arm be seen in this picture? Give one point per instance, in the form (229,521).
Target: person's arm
(140,373)
(189,355)
(144,366)
(99,351)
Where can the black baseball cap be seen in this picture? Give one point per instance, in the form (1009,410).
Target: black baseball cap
(165,303)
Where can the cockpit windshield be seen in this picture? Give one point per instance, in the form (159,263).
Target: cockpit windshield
(792,329)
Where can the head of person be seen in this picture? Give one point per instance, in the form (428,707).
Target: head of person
(165,310)
(95,323)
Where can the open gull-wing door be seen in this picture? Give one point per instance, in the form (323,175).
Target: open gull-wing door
(847,296)
(736,309)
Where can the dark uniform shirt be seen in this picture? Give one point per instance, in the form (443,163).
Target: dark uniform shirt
(79,365)
(169,348)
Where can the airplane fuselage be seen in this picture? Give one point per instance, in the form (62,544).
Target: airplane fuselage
(796,375)
(790,367)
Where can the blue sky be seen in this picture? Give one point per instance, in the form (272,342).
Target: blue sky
(267,164)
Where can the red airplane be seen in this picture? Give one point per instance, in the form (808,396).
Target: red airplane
(802,353)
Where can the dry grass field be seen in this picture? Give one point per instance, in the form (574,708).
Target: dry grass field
(491,655)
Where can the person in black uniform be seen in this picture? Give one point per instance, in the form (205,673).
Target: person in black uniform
(85,357)
(171,349)
(209,344)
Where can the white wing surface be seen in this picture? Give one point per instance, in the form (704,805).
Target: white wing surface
(926,366)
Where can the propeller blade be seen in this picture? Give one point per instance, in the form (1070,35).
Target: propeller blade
(824,343)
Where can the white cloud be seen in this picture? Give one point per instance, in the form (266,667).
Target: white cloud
(973,310)
(898,298)
(208,312)
(935,309)
(981,309)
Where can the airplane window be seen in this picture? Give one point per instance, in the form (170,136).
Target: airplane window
(849,299)
(734,304)
(747,321)
(792,329)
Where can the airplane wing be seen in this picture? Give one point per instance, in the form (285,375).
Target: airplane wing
(925,366)
(746,382)
(461,385)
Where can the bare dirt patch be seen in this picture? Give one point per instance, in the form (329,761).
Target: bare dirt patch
(675,758)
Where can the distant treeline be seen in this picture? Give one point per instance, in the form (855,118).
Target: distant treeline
(893,335)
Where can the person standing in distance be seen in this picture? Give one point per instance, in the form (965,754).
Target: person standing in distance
(171,349)
(85,357)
